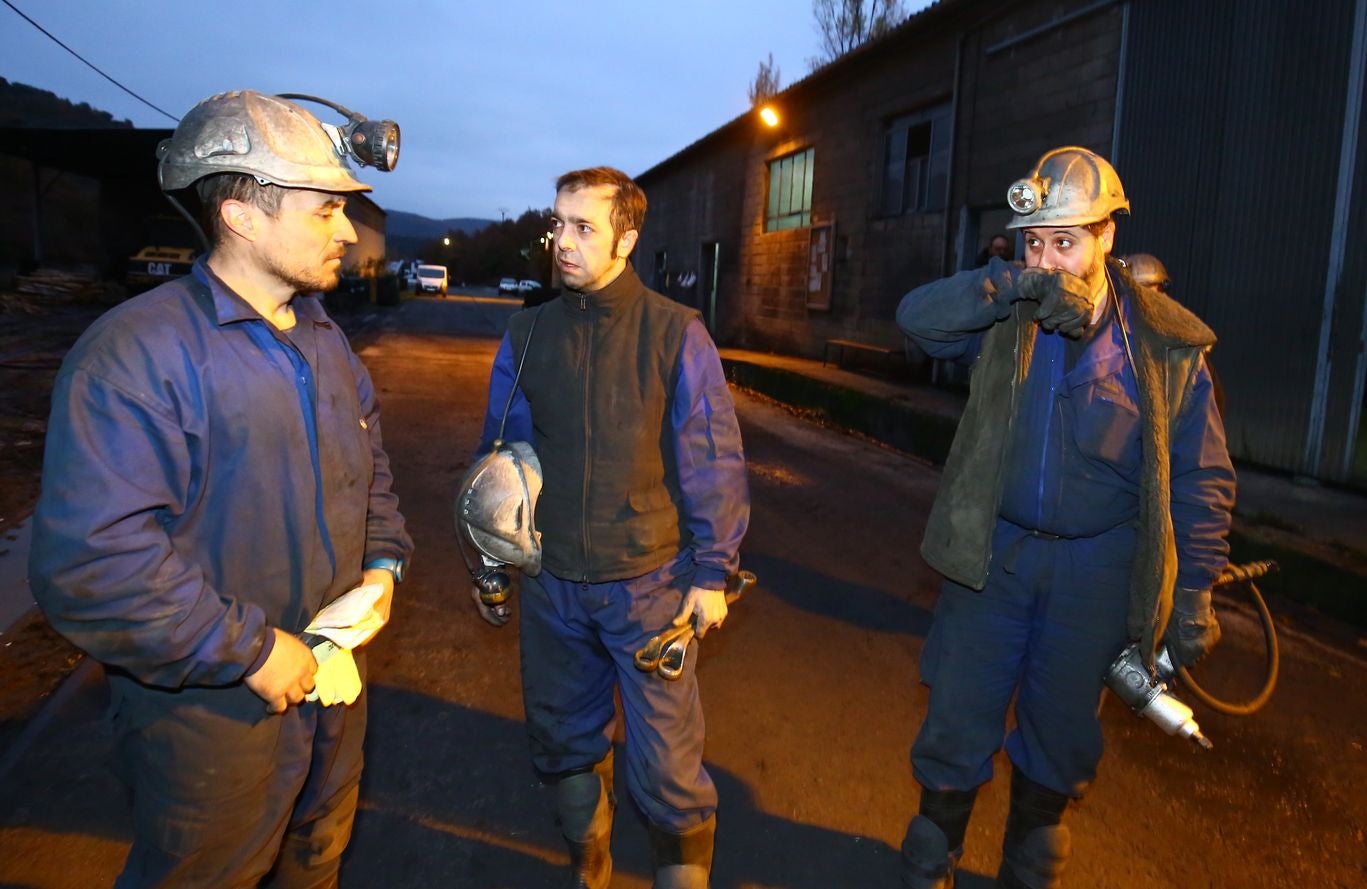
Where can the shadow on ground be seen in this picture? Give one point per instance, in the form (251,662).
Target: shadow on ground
(449,798)
(859,605)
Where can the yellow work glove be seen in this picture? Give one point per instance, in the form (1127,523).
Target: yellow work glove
(337,680)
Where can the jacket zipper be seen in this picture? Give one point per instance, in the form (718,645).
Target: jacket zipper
(588,439)
(1044,445)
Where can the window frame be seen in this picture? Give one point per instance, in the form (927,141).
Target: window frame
(789,184)
(896,194)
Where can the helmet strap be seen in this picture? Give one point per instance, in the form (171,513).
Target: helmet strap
(194,223)
(517,377)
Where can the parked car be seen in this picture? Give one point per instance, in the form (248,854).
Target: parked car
(432,278)
(508,285)
(526,284)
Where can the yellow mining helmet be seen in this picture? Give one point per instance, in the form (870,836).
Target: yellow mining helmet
(1069,186)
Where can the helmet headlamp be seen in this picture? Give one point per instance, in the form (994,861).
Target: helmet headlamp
(1026,195)
(371,143)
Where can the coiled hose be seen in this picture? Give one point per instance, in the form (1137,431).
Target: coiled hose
(1245,575)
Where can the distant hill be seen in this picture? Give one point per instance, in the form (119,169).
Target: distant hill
(411,225)
(22,105)
(408,234)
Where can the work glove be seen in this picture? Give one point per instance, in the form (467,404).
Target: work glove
(337,680)
(1065,302)
(348,622)
(1192,629)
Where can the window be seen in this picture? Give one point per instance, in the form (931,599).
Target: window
(916,162)
(790,192)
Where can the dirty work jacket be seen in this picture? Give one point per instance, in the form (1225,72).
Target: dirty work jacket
(207,477)
(1186,482)
(689,434)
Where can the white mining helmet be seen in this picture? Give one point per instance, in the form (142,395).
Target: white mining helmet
(496,506)
(276,141)
(1069,186)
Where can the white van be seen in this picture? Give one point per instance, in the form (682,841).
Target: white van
(432,279)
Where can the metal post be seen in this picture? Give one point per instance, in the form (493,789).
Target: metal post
(37,214)
(1120,85)
(1352,116)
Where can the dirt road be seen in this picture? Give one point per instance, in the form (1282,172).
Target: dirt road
(810,692)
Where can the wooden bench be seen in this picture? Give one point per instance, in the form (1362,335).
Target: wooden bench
(889,353)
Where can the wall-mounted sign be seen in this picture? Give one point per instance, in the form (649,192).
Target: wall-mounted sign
(820,265)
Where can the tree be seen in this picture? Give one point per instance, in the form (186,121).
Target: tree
(846,24)
(512,248)
(766,83)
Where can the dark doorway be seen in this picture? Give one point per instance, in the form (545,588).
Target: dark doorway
(708,264)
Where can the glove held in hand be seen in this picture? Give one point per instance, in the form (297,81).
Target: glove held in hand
(1065,304)
(1192,630)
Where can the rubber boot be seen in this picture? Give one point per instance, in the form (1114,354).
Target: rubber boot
(934,842)
(584,803)
(683,861)
(1037,861)
(927,860)
(1037,845)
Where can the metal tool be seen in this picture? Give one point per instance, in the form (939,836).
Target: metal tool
(1149,697)
(1148,694)
(664,654)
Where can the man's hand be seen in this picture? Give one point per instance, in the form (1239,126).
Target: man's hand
(498,615)
(1065,302)
(1192,629)
(706,608)
(1034,284)
(385,578)
(287,675)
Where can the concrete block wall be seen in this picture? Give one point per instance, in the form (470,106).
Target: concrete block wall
(1011,105)
(695,202)
(1057,88)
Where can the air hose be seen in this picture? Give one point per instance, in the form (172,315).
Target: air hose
(1244,575)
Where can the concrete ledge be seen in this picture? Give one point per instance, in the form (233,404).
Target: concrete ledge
(1330,580)
(900,425)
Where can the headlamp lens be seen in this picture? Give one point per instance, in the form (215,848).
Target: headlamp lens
(375,143)
(1023,198)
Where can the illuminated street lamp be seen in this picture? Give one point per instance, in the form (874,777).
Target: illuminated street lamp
(769,116)
(446,241)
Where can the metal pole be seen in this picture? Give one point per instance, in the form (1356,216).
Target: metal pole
(37,214)
(1352,115)
(1120,85)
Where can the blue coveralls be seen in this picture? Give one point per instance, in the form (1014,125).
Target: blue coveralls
(578,639)
(1052,615)
(208,478)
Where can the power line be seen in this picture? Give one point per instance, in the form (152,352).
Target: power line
(92,67)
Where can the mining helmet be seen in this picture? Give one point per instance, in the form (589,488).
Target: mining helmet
(1148,270)
(274,140)
(496,506)
(1069,186)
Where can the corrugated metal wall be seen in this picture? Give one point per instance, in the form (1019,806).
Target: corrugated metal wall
(1231,123)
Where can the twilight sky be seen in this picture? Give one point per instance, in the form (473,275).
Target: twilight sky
(495,99)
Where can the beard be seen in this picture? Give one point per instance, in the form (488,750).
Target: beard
(1095,273)
(301,277)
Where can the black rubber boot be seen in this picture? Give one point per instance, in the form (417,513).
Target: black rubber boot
(1037,844)
(683,861)
(934,842)
(584,803)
